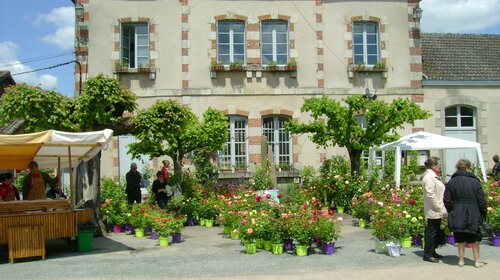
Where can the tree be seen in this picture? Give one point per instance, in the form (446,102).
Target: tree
(337,124)
(168,128)
(40,109)
(100,105)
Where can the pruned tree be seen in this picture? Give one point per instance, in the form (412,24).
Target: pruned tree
(168,128)
(356,124)
(40,109)
(101,105)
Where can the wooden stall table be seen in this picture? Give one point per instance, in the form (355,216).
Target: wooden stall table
(25,225)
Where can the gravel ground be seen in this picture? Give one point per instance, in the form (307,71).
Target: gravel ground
(206,253)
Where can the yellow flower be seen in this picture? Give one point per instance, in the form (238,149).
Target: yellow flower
(420,217)
(408,216)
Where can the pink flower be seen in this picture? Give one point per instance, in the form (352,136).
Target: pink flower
(306,206)
(371,200)
(400,215)
(354,199)
(249,230)
(222,220)
(340,219)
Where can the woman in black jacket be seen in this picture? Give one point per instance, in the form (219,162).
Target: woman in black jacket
(466,205)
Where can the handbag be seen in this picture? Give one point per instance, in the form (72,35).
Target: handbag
(486,230)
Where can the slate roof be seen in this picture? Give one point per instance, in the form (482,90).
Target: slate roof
(465,57)
(14,126)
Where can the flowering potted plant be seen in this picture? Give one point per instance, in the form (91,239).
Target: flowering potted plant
(247,235)
(327,229)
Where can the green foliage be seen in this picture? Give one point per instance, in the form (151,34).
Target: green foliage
(100,105)
(112,190)
(272,63)
(102,102)
(262,176)
(40,109)
(168,128)
(236,64)
(307,174)
(335,123)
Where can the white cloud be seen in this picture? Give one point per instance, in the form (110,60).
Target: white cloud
(8,61)
(459,16)
(63,19)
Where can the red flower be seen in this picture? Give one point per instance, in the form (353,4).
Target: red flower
(413,201)
(268,196)
(280,195)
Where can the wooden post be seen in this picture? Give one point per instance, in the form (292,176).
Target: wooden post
(71,186)
(59,177)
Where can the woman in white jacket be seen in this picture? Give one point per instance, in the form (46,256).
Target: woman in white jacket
(434,209)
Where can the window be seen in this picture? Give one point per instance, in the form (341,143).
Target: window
(234,153)
(231,41)
(274,41)
(366,42)
(365,155)
(280,141)
(459,117)
(135,45)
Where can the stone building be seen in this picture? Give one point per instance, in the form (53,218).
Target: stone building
(257,61)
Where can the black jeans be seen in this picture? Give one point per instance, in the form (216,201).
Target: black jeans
(134,196)
(433,234)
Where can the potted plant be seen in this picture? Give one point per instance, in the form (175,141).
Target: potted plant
(272,65)
(141,68)
(327,229)
(236,66)
(241,167)
(121,67)
(291,66)
(217,66)
(360,66)
(284,167)
(379,66)
(163,227)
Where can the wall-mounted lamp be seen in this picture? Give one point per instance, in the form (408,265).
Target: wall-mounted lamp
(370,95)
(79,10)
(417,12)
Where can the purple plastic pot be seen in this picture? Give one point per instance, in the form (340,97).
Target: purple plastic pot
(288,245)
(154,235)
(417,241)
(190,222)
(177,238)
(329,248)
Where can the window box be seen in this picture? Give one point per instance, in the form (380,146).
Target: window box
(366,69)
(236,68)
(217,67)
(143,69)
(121,69)
(272,68)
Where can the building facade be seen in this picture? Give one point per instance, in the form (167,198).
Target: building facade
(257,61)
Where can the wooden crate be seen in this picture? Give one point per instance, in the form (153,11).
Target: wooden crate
(26,241)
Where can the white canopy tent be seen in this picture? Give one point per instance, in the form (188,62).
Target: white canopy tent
(422,141)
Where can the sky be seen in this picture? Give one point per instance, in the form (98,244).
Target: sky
(38,34)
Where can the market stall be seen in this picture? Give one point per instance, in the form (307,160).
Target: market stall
(25,225)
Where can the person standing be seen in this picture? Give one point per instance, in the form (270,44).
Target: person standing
(465,202)
(496,168)
(433,192)
(160,190)
(164,169)
(133,190)
(8,192)
(34,184)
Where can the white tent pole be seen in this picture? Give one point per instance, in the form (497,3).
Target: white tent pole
(481,163)
(397,175)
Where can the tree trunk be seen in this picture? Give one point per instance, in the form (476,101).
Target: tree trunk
(178,171)
(355,157)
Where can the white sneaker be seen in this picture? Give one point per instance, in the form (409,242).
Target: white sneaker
(479,264)
(461,264)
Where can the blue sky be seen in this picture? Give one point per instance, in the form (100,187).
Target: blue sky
(39,33)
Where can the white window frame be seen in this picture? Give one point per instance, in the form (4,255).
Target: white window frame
(274,42)
(364,42)
(231,159)
(459,117)
(231,42)
(133,57)
(278,130)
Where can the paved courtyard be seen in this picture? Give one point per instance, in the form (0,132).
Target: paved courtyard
(206,253)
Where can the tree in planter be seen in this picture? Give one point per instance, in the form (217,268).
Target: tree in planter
(100,105)
(168,128)
(337,124)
